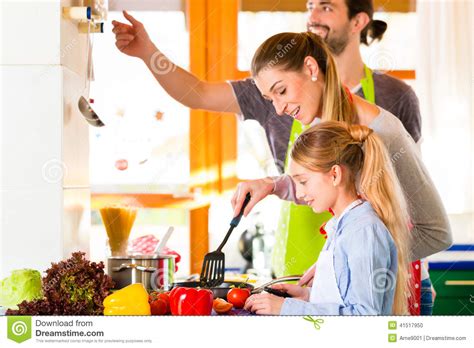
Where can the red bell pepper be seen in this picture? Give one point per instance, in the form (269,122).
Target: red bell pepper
(191,301)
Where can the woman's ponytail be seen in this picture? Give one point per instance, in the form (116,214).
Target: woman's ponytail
(336,103)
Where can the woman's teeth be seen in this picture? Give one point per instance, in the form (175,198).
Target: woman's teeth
(294,114)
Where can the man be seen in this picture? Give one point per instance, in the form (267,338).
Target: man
(339,22)
(344,25)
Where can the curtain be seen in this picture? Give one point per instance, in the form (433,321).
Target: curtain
(445,80)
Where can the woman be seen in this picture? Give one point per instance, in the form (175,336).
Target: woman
(363,267)
(296,72)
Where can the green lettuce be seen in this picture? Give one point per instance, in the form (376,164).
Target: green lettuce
(23,284)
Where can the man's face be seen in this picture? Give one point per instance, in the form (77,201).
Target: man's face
(330,20)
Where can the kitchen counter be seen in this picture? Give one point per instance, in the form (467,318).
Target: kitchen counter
(233,312)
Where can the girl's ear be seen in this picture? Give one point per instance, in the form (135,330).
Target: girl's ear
(336,174)
(311,67)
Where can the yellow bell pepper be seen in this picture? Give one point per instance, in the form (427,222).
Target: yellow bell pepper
(131,300)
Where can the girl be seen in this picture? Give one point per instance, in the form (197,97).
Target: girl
(363,267)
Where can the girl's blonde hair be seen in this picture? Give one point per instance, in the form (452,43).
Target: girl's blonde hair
(287,51)
(365,157)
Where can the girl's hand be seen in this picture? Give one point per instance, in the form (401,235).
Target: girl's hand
(133,40)
(258,189)
(264,303)
(295,291)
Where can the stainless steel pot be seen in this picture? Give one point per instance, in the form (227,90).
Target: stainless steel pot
(153,271)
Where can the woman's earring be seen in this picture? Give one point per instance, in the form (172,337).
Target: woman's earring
(314,78)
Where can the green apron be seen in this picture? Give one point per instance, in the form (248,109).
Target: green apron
(298,241)
(367,84)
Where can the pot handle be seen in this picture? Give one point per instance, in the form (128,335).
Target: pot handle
(125,266)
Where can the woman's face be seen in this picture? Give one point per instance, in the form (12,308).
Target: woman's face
(315,188)
(292,93)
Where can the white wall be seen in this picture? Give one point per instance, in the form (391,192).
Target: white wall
(44,175)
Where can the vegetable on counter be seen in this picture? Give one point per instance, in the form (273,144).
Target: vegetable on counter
(159,303)
(221,306)
(238,296)
(191,301)
(75,286)
(131,300)
(22,285)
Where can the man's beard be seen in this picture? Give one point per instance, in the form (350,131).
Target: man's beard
(336,44)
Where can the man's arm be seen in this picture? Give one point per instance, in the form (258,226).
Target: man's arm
(181,85)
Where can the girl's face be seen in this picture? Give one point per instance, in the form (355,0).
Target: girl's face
(315,188)
(293,93)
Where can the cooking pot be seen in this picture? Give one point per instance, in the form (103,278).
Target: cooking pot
(153,271)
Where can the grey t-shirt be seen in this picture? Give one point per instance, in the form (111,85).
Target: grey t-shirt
(390,93)
(431,232)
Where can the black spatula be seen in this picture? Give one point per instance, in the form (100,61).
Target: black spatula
(213,266)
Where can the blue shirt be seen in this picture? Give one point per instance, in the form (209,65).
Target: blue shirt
(365,264)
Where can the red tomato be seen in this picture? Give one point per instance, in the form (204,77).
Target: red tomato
(238,296)
(191,301)
(159,303)
(159,307)
(155,295)
(221,306)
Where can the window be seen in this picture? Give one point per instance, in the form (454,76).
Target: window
(398,47)
(144,126)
